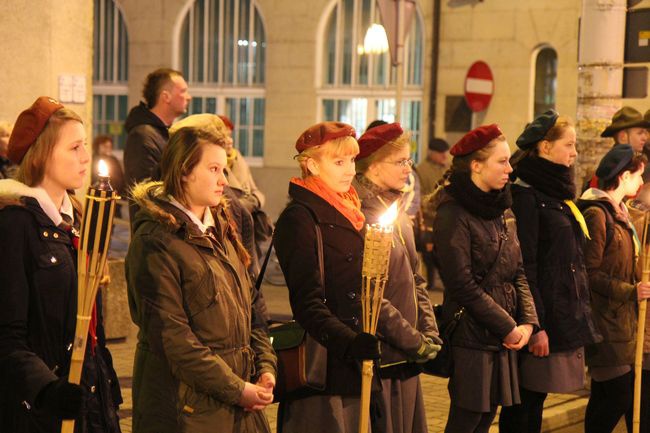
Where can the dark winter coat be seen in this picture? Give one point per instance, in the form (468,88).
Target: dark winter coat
(199,339)
(332,315)
(147,138)
(407,314)
(467,247)
(611,266)
(38,288)
(552,249)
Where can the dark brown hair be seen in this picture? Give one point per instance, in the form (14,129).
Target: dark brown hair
(155,82)
(99,140)
(463,164)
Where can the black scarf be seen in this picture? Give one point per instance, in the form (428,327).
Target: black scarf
(487,205)
(554,180)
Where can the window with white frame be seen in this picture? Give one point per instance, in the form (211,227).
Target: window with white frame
(357,87)
(545,80)
(110,72)
(222,56)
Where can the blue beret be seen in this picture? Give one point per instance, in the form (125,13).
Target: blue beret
(536,130)
(614,161)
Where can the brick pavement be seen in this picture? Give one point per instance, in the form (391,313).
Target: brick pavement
(563,413)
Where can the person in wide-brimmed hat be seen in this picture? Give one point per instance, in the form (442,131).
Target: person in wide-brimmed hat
(628,127)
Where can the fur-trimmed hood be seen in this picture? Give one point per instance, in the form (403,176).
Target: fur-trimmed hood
(13,192)
(150,197)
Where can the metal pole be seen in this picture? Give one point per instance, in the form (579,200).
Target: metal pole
(400,60)
(600,78)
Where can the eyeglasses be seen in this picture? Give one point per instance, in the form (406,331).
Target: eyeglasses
(402,163)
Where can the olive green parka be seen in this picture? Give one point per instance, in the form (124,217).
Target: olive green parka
(199,339)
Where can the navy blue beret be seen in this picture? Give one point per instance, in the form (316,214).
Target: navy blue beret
(536,130)
(614,161)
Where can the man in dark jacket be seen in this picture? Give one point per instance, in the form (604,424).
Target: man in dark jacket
(166,97)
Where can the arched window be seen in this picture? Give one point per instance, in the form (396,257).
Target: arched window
(545,80)
(110,72)
(357,87)
(222,56)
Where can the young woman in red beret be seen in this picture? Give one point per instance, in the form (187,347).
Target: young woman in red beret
(552,232)
(611,259)
(407,326)
(475,238)
(38,283)
(327,305)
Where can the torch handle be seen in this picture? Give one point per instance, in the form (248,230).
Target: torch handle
(366,382)
(638,365)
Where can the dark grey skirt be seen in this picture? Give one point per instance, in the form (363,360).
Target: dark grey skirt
(404,406)
(320,414)
(482,380)
(560,372)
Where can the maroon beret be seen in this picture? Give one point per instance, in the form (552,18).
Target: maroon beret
(226,121)
(476,139)
(376,137)
(322,132)
(29,125)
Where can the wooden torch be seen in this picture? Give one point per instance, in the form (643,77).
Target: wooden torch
(374,274)
(640,329)
(95,236)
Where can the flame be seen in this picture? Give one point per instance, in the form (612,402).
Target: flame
(102,168)
(389,217)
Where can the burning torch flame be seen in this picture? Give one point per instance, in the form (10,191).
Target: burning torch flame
(102,168)
(389,217)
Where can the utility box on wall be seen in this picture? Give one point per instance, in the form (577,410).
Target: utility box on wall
(637,36)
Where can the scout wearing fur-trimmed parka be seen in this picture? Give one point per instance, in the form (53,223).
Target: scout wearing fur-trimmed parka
(38,284)
(200,343)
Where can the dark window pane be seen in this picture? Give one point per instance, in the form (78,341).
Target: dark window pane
(258,142)
(545,80)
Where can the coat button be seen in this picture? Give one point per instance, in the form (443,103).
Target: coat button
(46,234)
(27,405)
(93,389)
(543,204)
(53,259)
(55,235)
(351,295)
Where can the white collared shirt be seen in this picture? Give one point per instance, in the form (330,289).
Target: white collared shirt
(208,219)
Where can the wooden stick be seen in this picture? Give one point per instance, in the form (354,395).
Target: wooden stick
(366,382)
(640,329)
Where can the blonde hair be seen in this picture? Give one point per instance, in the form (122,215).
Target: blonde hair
(32,168)
(384,152)
(342,146)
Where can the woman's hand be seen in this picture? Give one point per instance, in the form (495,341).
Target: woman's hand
(523,331)
(255,397)
(643,291)
(538,344)
(266,381)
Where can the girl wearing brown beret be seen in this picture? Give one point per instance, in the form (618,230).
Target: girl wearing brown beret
(475,238)
(407,326)
(38,283)
(327,305)
(552,232)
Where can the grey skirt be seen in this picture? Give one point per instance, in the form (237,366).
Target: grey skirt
(404,406)
(482,380)
(320,414)
(560,372)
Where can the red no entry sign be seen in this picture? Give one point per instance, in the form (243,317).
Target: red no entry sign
(479,86)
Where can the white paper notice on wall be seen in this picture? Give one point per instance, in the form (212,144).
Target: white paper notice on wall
(72,89)
(644,38)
